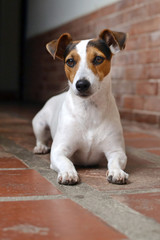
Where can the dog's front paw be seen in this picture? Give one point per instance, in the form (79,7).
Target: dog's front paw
(68,178)
(41,149)
(117,176)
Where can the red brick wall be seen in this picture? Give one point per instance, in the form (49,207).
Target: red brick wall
(135,71)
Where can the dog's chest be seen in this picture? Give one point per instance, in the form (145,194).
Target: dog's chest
(89,124)
(90,146)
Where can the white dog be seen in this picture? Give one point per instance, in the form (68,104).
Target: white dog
(84,122)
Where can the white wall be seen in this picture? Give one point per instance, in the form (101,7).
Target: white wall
(44,15)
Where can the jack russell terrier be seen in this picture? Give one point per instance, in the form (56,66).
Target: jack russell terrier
(84,122)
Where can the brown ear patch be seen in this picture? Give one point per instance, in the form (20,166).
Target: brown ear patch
(57,47)
(116,40)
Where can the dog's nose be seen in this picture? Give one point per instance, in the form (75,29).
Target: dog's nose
(82,85)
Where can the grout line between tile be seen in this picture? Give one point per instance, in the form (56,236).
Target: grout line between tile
(12,169)
(141,153)
(31,198)
(133,191)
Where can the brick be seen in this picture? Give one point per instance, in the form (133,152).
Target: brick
(118,72)
(149,56)
(147,88)
(133,102)
(149,25)
(152,104)
(154,39)
(140,11)
(122,86)
(126,114)
(149,117)
(154,8)
(140,116)
(138,57)
(154,71)
(136,72)
(119,100)
(137,42)
(159,88)
(125,5)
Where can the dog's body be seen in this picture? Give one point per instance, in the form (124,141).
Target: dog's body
(84,122)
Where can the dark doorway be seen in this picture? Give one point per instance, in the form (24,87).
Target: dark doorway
(12,46)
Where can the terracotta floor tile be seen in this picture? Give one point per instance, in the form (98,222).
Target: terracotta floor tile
(20,128)
(11,162)
(1,148)
(24,183)
(145,203)
(155,151)
(27,142)
(142,175)
(137,135)
(64,220)
(143,143)
(8,119)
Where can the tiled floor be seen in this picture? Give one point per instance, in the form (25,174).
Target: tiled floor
(34,206)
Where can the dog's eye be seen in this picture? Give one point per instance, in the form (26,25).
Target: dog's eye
(98,60)
(71,62)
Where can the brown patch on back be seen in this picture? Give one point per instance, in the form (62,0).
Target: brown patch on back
(71,72)
(101,70)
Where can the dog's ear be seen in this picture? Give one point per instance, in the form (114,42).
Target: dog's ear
(115,40)
(57,47)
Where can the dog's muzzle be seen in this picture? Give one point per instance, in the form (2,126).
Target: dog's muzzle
(83,86)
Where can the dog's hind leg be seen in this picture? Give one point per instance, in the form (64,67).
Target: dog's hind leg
(42,134)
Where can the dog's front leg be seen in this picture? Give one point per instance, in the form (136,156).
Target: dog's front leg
(116,164)
(60,162)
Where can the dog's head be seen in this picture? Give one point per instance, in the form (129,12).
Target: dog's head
(87,62)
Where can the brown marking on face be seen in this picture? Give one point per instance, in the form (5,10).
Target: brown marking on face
(71,71)
(101,69)
(69,48)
